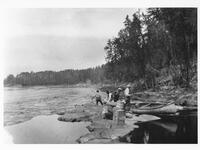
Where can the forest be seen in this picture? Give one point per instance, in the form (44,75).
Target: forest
(155,47)
(70,76)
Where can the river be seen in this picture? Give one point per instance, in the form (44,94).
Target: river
(30,113)
(177,129)
(23,103)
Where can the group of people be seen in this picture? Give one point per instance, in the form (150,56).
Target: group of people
(116,96)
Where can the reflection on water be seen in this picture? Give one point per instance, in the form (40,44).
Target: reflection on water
(169,129)
(46,130)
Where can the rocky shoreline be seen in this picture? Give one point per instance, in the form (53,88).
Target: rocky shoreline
(101,130)
(83,110)
(107,131)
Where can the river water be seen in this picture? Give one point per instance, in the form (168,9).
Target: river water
(46,130)
(23,103)
(177,129)
(30,114)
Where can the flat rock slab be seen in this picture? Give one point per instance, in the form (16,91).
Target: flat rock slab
(106,131)
(102,141)
(87,112)
(107,134)
(100,134)
(102,130)
(75,117)
(100,124)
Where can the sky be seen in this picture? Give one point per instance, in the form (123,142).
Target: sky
(39,39)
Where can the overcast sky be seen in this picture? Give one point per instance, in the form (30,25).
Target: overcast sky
(57,39)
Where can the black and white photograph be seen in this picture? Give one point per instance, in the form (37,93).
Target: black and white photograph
(100,75)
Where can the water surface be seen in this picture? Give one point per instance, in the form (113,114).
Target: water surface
(46,130)
(23,103)
(169,129)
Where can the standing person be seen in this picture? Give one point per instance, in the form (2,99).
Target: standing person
(109,96)
(119,92)
(127,95)
(98,98)
(117,95)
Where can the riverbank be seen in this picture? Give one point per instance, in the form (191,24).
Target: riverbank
(80,124)
(106,131)
(79,108)
(181,96)
(102,130)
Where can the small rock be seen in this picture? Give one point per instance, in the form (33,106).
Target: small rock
(86,138)
(61,112)
(129,115)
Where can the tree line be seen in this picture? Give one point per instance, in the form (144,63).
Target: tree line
(162,43)
(70,76)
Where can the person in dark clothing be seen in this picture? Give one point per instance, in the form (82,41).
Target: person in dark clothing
(117,95)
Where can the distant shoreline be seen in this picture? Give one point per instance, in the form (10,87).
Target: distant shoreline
(65,85)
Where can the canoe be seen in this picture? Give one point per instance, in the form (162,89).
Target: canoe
(190,108)
(155,108)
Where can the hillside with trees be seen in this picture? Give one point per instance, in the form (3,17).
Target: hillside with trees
(155,48)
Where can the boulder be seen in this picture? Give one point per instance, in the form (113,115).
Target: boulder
(107,112)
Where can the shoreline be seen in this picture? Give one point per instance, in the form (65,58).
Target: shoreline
(87,120)
(102,130)
(106,131)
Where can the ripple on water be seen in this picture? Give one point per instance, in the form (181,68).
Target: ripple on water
(26,103)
